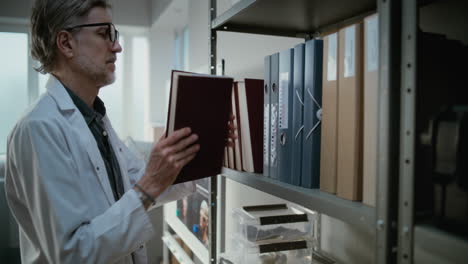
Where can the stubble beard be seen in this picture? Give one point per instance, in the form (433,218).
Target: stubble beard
(98,74)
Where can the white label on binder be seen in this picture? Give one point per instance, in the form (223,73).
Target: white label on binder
(350,52)
(332,58)
(273,134)
(283,100)
(372,44)
(266,133)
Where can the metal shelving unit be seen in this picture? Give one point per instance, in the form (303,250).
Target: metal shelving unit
(399,239)
(314,18)
(417,242)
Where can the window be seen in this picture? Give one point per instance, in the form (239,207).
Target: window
(125,99)
(14,94)
(140,88)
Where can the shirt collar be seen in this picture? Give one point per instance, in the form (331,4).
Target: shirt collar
(97,113)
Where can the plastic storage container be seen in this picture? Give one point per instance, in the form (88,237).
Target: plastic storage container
(272,223)
(286,252)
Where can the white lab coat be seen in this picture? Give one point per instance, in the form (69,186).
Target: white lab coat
(59,192)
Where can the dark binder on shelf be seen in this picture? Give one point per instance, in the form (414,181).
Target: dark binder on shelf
(201,102)
(298,110)
(250,97)
(312,113)
(329,140)
(274,143)
(266,116)
(350,86)
(285,115)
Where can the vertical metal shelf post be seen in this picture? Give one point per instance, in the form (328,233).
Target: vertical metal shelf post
(214,179)
(407,133)
(388,129)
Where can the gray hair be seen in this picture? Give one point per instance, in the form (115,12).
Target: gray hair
(48,18)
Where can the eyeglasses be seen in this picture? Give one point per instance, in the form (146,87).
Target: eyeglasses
(111,31)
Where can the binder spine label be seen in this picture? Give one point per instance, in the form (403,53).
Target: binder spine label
(372,44)
(283,100)
(266,133)
(332,57)
(350,54)
(273,134)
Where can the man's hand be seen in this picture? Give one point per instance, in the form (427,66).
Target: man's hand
(167,158)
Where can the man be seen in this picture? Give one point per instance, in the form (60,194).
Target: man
(78,194)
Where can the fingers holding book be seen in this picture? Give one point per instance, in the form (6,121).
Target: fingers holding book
(168,157)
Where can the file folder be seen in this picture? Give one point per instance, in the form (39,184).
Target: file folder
(371,62)
(350,85)
(329,151)
(285,115)
(274,143)
(298,109)
(312,113)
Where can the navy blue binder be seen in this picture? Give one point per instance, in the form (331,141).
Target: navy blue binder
(285,114)
(266,117)
(312,113)
(298,109)
(274,118)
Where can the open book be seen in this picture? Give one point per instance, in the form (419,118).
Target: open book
(201,102)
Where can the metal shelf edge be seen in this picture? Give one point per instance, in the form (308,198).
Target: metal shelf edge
(220,20)
(351,212)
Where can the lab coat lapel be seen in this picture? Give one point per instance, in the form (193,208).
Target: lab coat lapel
(116,145)
(83,134)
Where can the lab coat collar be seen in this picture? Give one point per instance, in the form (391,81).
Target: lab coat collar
(59,94)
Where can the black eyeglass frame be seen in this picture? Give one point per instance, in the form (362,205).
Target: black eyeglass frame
(110,26)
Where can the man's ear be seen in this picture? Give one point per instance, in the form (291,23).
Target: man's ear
(65,43)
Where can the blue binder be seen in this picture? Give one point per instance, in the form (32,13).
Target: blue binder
(312,113)
(266,117)
(298,109)
(274,78)
(285,114)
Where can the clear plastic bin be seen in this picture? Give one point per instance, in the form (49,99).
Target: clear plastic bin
(285,252)
(278,222)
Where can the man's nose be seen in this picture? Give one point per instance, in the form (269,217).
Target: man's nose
(116,46)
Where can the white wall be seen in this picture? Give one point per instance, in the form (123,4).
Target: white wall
(162,35)
(161,54)
(198,25)
(133,13)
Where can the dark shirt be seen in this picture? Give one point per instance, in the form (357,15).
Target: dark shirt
(93,118)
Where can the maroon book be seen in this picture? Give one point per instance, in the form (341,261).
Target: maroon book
(250,97)
(201,102)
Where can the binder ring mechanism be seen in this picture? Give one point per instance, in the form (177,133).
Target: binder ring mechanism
(318,114)
(283,139)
